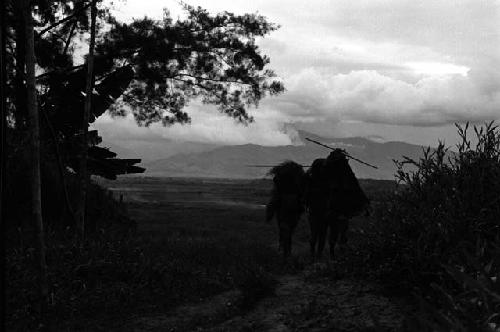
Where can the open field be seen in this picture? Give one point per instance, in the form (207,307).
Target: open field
(205,208)
(202,258)
(224,261)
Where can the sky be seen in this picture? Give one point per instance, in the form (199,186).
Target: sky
(401,70)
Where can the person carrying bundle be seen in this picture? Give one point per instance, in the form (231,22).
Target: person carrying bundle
(287,201)
(333,196)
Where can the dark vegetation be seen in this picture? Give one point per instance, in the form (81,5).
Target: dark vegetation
(152,68)
(445,229)
(437,236)
(183,251)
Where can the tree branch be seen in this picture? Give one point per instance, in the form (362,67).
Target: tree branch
(69,38)
(213,79)
(191,82)
(67,18)
(57,70)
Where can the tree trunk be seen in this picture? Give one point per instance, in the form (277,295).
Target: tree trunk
(3,153)
(84,176)
(19,80)
(34,126)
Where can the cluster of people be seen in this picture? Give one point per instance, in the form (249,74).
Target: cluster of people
(330,194)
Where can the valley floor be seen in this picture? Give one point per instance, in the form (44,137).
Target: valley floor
(306,296)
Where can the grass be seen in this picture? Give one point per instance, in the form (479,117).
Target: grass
(185,249)
(195,239)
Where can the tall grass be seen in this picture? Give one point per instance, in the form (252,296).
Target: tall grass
(440,233)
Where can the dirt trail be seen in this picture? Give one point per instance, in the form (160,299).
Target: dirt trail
(300,303)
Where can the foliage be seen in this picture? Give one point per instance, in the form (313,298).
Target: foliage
(472,302)
(440,232)
(212,57)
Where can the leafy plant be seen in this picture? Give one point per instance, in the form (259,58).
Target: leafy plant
(439,233)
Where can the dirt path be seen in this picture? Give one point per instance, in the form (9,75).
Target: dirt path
(300,303)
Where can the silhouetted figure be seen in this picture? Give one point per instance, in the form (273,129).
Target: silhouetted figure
(333,196)
(287,201)
(317,203)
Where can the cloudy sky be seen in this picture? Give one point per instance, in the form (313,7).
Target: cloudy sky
(397,70)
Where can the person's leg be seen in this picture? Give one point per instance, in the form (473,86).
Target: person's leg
(285,236)
(334,233)
(343,226)
(313,223)
(322,230)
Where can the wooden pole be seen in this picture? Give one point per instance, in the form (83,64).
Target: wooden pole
(269,166)
(345,153)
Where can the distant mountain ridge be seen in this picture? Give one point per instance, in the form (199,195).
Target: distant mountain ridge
(236,161)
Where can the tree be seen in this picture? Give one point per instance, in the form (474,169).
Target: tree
(3,154)
(211,57)
(84,178)
(57,25)
(155,67)
(33,118)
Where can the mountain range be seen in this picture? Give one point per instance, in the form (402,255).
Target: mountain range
(254,161)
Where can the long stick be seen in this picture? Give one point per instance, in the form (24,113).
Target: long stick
(268,166)
(346,154)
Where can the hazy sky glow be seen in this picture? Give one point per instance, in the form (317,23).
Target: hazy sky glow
(403,70)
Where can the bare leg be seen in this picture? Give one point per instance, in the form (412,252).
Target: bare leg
(285,235)
(343,225)
(282,236)
(334,234)
(291,228)
(322,229)
(313,223)
(288,245)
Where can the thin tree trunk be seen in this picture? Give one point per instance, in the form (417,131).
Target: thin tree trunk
(19,81)
(84,177)
(34,124)
(3,152)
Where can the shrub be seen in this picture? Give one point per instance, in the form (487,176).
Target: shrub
(440,232)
